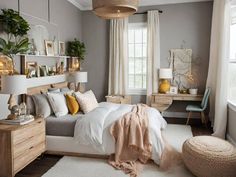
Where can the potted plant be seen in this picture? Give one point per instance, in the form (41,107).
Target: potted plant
(193,90)
(16,29)
(76,50)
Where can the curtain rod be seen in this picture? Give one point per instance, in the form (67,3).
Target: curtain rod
(139,13)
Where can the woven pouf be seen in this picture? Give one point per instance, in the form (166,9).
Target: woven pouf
(207,156)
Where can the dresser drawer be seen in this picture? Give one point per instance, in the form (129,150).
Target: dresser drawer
(35,140)
(28,131)
(29,155)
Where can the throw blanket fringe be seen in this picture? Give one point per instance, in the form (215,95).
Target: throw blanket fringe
(131,134)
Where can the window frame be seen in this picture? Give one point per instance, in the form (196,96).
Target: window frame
(135,91)
(230,59)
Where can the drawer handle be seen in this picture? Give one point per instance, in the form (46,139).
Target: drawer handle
(31,147)
(40,122)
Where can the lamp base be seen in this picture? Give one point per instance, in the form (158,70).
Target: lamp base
(12,103)
(80,88)
(164,87)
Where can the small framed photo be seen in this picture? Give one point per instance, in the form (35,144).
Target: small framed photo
(31,69)
(43,70)
(62,48)
(49,48)
(173,90)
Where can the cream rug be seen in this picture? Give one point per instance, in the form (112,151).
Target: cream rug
(87,167)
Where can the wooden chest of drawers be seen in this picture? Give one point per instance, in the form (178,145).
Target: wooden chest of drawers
(20,145)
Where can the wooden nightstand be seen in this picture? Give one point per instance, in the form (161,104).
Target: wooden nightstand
(20,145)
(119,99)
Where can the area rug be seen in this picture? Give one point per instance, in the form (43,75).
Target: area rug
(87,167)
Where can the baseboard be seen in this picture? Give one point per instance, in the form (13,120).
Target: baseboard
(180,115)
(231,139)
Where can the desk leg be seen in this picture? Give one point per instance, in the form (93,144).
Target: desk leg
(189,116)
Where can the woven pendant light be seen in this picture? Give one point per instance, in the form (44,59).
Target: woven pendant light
(111,9)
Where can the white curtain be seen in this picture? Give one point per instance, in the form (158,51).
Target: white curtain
(218,66)
(153,45)
(118,56)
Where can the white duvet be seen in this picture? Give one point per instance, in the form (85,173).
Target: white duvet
(93,128)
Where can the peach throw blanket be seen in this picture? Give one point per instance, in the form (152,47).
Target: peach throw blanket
(131,135)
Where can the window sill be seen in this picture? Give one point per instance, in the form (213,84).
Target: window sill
(137,92)
(232,104)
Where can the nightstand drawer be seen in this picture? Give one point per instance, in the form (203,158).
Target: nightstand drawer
(20,145)
(35,140)
(28,131)
(28,156)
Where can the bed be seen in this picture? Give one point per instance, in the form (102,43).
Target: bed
(88,134)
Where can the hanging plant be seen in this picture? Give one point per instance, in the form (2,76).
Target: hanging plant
(16,28)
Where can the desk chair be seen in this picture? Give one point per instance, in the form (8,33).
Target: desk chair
(200,108)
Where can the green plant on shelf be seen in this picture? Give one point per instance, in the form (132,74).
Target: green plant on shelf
(76,49)
(16,28)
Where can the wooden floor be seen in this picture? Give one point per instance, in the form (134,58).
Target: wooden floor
(44,163)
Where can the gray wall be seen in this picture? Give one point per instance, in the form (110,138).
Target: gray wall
(190,22)
(96,38)
(65,21)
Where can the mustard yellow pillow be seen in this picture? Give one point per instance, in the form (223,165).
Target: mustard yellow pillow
(72,104)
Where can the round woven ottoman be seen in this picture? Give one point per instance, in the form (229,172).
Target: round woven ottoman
(207,156)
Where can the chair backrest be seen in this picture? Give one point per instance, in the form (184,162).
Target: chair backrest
(205,98)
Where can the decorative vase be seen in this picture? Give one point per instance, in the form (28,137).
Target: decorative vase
(6,65)
(193,91)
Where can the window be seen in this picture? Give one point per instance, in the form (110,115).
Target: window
(137,59)
(232,61)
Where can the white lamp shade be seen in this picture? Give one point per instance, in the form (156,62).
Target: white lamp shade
(165,73)
(80,77)
(15,84)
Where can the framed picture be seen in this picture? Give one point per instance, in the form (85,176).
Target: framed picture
(62,48)
(31,69)
(49,48)
(43,70)
(173,90)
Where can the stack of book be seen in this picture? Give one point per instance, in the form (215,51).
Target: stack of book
(21,120)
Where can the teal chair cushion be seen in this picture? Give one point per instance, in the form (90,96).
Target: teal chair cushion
(194,108)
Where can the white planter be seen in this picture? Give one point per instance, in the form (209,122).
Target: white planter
(193,91)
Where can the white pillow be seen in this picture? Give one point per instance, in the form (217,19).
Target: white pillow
(58,104)
(87,101)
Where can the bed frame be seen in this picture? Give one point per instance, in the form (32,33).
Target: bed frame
(66,146)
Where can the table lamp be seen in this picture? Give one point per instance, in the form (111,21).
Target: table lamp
(165,74)
(79,78)
(13,85)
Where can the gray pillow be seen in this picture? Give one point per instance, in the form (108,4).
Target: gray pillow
(54,90)
(42,106)
(65,90)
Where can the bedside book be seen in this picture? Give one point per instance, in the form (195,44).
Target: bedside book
(21,120)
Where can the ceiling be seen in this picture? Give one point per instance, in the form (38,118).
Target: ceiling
(87,4)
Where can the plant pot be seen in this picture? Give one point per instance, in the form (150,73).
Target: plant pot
(6,65)
(193,91)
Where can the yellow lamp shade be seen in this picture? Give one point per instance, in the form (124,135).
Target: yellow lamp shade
(164,86)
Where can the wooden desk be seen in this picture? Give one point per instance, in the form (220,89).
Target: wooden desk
(163,101)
